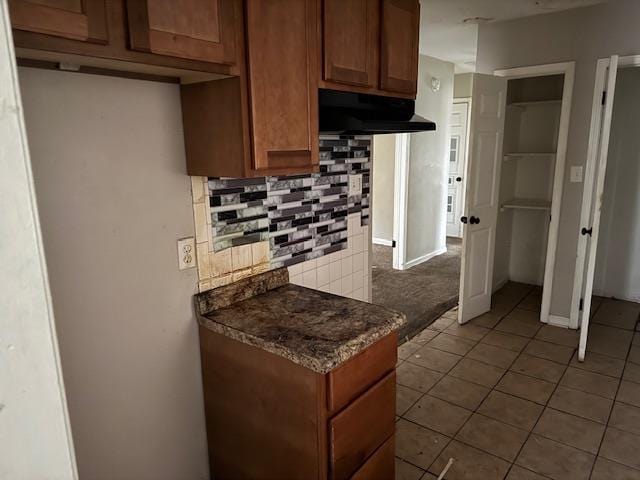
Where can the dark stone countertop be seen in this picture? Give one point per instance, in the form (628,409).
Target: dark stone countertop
(314,329)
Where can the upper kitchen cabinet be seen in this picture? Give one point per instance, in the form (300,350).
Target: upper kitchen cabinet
(264,122)
(400,22)
(83,20)
(370,46)
(351,41)
(194,40)
(282,57)
(195,29)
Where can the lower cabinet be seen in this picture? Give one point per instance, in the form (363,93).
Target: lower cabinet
(357,432)
(381,465)
(268,417)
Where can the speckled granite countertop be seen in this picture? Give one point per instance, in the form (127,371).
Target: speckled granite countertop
(314,329)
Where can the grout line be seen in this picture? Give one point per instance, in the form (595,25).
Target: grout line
(606,425)
(474,411)
(544,406)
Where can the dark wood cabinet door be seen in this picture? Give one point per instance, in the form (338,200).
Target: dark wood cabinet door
(84,20)
(400,22)
(283,84)
(194,29)
(351,41)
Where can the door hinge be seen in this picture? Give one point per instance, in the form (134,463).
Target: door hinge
(604,97)
(393,244)
(581,304)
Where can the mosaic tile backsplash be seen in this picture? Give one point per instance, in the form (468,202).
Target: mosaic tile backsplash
(302,217)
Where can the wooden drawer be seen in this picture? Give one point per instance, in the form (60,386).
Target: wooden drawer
(381,465)
(348,381)
(357,432)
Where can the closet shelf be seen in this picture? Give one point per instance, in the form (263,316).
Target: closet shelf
(526,204)
(508,156)
(534,103)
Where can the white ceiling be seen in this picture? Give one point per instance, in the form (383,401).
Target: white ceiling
(445,35)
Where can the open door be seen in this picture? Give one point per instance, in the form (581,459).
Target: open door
(481,198)
(593,195)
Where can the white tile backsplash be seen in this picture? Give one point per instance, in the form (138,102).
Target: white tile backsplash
(346,272)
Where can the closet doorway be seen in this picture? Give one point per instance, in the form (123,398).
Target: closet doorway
(607,279)
(517,145)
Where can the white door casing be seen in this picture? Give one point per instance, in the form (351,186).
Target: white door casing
(567,69)
(35,432)
(457,165)
(595,205)
(482,190)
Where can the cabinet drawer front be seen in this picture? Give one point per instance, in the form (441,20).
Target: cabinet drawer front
(381,465)
(351,379)
(357,432)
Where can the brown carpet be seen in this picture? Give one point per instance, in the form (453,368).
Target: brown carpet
(423,292)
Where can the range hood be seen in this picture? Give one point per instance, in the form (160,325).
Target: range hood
(361,114)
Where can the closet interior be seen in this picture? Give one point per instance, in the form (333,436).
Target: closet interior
(532,125)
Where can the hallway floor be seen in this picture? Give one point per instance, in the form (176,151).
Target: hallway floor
(423,292)
(505,397)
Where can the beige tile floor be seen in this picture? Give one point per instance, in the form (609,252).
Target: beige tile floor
(505,396)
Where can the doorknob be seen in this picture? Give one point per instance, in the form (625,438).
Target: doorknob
(586,231)
(474,220)
(458,179)
(463,219)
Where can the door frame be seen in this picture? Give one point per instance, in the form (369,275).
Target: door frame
(465,158)
(597,111)
(401,199)
(568,70)
(36,413)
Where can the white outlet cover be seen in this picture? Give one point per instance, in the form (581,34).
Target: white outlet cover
(576,174)
(186,253)
(355,184)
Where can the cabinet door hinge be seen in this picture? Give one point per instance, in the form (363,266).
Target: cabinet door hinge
(393,244)
(581,304)
(604,97)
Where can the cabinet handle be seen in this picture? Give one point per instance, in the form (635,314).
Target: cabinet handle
(474,220)
(463,219)
(586,231)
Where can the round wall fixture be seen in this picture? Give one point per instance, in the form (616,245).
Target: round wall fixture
(435,84)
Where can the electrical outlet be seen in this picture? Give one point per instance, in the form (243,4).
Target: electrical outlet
(186,253)
(576,174)
(355,184)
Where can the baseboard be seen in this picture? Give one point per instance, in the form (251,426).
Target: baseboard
(499,285)
(613,295)
(558,321)
(382,241)
(423,258)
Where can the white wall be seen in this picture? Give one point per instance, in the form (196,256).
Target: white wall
(583,35)
(35,438)
(428,164)
(618,255)
(109,168)
(462,85)
(383,171)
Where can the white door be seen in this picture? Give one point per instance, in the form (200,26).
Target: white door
(590,233)
(457,164)
(482,190)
